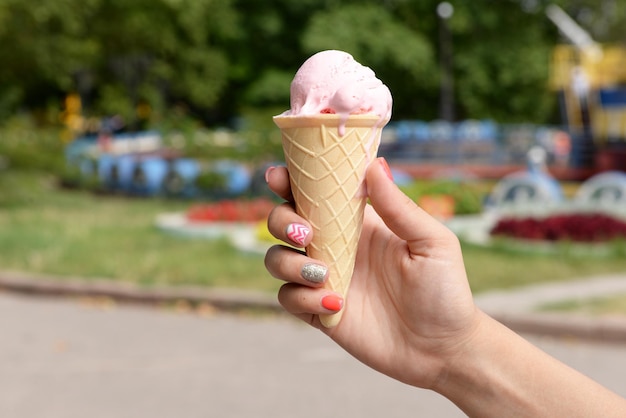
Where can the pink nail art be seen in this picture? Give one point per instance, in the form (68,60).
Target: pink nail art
(297,233)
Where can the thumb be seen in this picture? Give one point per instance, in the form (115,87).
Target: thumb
(401,215)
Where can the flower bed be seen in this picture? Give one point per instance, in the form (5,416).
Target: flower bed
(591,227)
(253,210)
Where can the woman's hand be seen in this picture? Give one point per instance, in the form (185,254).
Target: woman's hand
(409,310)
(410,314)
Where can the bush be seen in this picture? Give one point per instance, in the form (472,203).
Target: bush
(27,147)
(468,197)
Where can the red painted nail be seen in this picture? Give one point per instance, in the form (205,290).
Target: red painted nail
(383,163)
(332,303)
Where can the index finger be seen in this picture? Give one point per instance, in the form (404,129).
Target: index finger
(277,179)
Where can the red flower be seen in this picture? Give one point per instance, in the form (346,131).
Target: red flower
(592,227)
(230,211)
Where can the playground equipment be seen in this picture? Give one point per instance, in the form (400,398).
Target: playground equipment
(470,142)
(606,189)
(590,80)
(139,164)
(528,190)
(180,179)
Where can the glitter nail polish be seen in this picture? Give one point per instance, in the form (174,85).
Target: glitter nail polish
(314,273)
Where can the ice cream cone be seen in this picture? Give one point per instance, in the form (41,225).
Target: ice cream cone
(327,174)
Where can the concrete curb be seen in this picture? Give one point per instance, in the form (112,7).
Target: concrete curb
(601,329)
(519,308)
(124,292)
(604,329)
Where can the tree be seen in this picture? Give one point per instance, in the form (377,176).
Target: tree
(115,52)
(501,52)
(401,57)
(166,51)
(603,19)
(43,44)
(264,60)
(218,58)
(501,59)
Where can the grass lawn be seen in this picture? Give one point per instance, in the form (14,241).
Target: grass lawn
(504,267)
(613,305)
(69,233)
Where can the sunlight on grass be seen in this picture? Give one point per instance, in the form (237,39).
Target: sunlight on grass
(613,305)
(501,267)
(68,233)
(79,234)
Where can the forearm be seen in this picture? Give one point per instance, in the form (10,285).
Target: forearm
(500,374)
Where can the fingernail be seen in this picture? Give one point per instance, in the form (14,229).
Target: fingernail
(332,303)
(314,273)
(385,166)
(267,173)
(297,233)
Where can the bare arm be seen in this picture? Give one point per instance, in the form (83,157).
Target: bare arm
(410,314)
(500,374)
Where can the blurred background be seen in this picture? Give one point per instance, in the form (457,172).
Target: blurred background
(134,134)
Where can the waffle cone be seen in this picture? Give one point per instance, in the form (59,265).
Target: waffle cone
(327,174)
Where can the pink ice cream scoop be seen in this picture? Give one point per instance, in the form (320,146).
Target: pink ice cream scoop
(333,82)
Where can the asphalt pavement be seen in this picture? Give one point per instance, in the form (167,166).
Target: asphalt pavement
(94,357)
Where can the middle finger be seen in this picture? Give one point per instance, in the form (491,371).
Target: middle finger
(293,266)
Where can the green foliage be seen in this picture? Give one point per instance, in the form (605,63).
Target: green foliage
(262,138)
(46,40)
(216,58)
(114,101)
(26,148)
(70,233)
(212,182)
(603,19)
(468,197)
(496,65)
(114,51)
(195,68)
(403,58)
(270,88)
(501,267)
(77,234)
(611,305)
(23,189)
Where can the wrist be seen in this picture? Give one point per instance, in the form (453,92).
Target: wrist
(489,374)
(466,351)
